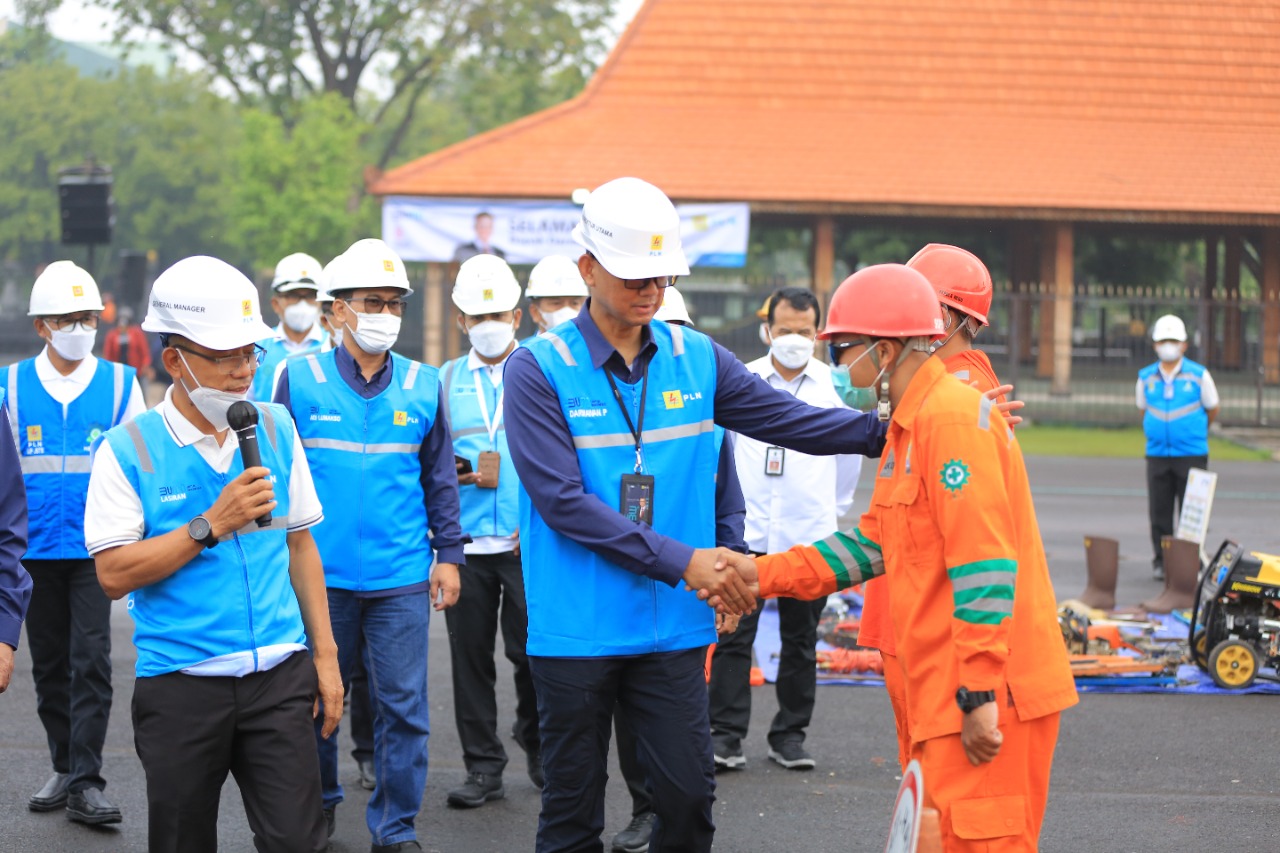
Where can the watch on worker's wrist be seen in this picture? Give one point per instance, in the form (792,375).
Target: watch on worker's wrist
(970,700)
(201,531)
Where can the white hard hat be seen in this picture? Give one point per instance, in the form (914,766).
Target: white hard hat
(323,290)
(1169,328)
(64,288)
(633,230)
(485,285)
(555,275)
(207,301)
(367,263)
(672,309)
(298,271)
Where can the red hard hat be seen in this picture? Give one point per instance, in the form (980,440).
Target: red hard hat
(884,301)
(961,280)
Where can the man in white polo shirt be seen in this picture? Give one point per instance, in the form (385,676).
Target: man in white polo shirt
(790,496)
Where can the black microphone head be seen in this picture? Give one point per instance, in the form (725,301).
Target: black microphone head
(242,415)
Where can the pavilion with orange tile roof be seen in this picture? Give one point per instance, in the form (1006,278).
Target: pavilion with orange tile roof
(1033,116)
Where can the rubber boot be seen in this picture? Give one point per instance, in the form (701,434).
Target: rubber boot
(1102,562)
(1181,572)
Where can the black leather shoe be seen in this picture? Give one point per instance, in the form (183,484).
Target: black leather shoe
(52,796)
(330,820)
(635,838)
(398,846)
(476,791)
(91,806)
(367,780)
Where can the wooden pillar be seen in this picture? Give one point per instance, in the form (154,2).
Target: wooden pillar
(1208,348)
(1023,274)
(434,319)
(1063,305)
(823,262)
(1232,337)
(1270,340)
(1048,250)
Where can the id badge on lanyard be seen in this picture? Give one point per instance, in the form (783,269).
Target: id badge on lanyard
(490,461)
(635,497)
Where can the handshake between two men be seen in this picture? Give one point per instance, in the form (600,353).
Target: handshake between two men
(725,579)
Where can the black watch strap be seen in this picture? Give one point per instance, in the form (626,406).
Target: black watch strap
(969,700)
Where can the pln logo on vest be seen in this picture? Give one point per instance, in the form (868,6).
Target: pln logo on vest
(673,399)
(34,433)
(400,419)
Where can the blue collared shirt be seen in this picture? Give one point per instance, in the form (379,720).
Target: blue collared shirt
(542,446)
(439,476)
(15,583)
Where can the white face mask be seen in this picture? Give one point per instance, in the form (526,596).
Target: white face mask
(375,333)
(73,344)
(335,334)
(791,351)
(492,337)
(211,403)
(551,319)
(1169,351)
(301,316)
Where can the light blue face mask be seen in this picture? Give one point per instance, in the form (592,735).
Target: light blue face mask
(855,396)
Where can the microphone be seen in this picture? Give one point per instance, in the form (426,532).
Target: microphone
(243,418)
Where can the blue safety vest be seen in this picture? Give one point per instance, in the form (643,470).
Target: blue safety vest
(1175,420)
(234,597)
(364,459)
(55,451)
(276,352)
(484,512)
(581,604)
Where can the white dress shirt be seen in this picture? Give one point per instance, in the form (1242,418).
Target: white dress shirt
(804,504)
(113,516)
(65,389)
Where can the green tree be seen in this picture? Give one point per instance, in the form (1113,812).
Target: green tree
(168,141)
(381,56)
(293,187)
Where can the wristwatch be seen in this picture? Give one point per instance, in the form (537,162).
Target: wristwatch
(201,530)
(969,700)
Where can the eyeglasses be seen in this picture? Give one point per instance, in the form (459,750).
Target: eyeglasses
(84,321)
(229,364)
(375,304)
(834,351)
(642,283)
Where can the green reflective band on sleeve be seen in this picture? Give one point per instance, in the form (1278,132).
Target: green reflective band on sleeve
(866,543)
(983,590)
(849,560)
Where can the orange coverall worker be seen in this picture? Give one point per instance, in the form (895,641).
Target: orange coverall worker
(952,527)
(973,368)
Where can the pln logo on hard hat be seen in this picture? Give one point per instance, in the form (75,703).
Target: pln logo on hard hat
(246,307)
(389,265)
(487,294)
(655,243)
(77,291)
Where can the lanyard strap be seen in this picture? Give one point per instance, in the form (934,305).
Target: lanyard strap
(483,402)
(637,430)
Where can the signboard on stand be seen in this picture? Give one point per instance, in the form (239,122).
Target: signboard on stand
(904,831)
(1197,503)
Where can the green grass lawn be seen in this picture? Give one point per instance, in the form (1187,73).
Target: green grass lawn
(1128,442)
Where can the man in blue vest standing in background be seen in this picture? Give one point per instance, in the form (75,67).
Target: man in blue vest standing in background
(294,292)
(617,457)
(374,427)
(486,294)
(1179,401)
(62,402)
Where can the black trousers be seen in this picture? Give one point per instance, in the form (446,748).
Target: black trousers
(629,763)
(360,722)
(189,731)
(492,596)
(665,698)
(69,634)
(1166,484)
(729,693)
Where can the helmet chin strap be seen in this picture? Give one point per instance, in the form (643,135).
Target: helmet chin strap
(884,409)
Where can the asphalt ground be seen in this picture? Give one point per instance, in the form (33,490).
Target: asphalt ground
(1132,772)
